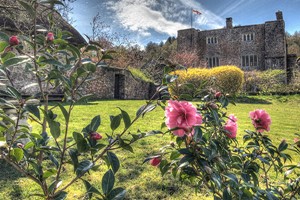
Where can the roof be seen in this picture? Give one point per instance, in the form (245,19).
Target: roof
(13,19)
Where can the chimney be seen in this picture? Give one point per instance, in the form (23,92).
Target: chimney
(229,22)
(279,15)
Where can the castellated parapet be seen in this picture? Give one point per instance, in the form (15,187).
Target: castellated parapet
(260,46)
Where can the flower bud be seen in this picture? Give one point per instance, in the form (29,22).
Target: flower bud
(20,145)
(155,161)
(95,136)
(218,94)
(50,36)
(297,142)
(213,106)
(13,40)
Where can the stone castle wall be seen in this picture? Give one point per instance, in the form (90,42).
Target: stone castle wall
(268,44)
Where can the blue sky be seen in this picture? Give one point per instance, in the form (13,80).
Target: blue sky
(143,21)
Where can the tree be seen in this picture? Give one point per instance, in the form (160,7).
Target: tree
(66,10)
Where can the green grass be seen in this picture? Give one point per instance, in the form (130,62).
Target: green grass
(143,181)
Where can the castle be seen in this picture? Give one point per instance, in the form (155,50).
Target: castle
(260,46)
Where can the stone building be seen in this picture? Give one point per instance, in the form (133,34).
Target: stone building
(260,46)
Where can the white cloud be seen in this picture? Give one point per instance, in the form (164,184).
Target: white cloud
(138,16)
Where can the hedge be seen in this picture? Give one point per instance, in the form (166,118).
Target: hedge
(227,79)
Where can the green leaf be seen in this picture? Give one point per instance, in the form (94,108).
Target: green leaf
(49,173)
(114,161)
(15,61)
(52,62)
(144,109)
(115,122)
(107,56)
(84,99)
(3,45)
(91,48)
(54,128)
(117,194)
(82,145)
(227,194)
(60,41)
(93,126)
(108,181)
(33,109)
(61,195)
(74,50)
(90,189)
(4,37)
(18,154)
(53,160)
(83,167)
(13,92)
(90,67)
(73,154)
(6,56)
(197,134)
(127,147)
(126,118)
(232,177)
(96,121)
(64,111)
(282,146)
(28,145)
(28,8)
(174,155)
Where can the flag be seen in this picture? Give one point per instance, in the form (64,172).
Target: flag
(196,12)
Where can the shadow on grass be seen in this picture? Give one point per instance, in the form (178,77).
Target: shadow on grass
(132,172)
(7,172)
(8,175)
(91,103)
(251,100)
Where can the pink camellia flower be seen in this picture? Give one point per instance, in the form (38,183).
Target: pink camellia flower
(218,95)
(95,136)
(13,40)
(231,126)
(182,115)
(261,120)
(155,161)
(50,36)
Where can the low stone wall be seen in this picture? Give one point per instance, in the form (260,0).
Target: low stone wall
(106,83)
(115,83)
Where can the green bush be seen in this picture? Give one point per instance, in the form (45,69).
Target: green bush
(270,81)
(228,79)
(139,74)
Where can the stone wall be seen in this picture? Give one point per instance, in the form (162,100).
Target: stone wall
(104,85)
(268,44)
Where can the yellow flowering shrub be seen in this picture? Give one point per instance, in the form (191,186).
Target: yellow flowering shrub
(227,79)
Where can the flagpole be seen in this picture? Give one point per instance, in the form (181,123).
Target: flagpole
(191,17)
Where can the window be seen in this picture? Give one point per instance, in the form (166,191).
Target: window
(212,62)
(211,40)
(249,61)
(248,37)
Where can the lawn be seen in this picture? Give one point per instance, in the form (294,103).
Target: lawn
(143,181)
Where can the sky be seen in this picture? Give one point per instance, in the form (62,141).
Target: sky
(144,21)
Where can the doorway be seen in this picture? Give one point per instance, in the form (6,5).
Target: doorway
(119,92)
